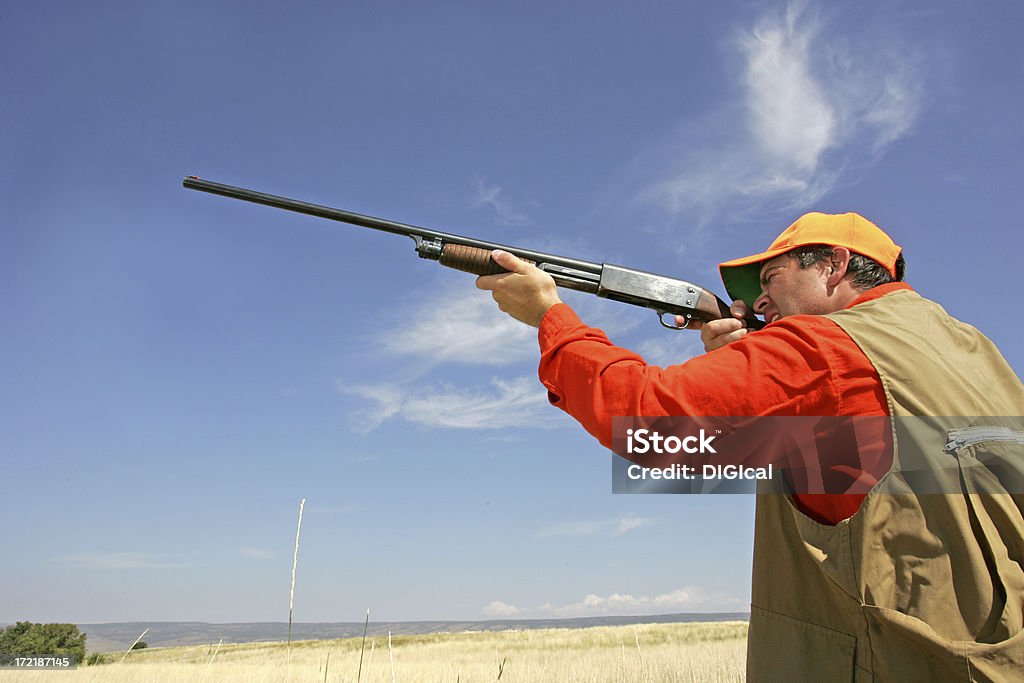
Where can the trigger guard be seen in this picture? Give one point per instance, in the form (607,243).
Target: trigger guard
(661,319)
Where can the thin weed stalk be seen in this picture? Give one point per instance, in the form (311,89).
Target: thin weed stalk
(391,658)
(133,646)
(291,597)
(362,647)
(643,669)
(210,663)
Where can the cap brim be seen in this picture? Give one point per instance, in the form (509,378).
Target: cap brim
(742,276)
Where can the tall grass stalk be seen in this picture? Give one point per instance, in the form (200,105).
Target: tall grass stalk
(362,647)
(643,669)
(210,663)
(291,597)
(133,645)
(391,658)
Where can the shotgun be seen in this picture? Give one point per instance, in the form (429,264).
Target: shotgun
(666,296)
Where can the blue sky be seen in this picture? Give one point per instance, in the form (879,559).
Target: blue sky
(180,370)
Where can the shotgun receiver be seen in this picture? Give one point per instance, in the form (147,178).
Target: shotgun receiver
(667,296)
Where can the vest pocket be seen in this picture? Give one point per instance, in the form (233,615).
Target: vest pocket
(781,648)
(906,648)
(997,661)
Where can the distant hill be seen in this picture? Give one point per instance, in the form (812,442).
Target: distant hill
(119,636)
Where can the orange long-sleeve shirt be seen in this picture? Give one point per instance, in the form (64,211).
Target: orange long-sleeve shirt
(800,365)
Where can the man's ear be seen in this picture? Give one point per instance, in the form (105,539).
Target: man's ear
(838,263)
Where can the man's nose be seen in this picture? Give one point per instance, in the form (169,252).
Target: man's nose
(761,303)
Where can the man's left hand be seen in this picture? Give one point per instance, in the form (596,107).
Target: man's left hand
(525,292)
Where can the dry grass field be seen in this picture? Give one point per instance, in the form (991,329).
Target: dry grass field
(667,653)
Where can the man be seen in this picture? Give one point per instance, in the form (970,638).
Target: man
(895,584)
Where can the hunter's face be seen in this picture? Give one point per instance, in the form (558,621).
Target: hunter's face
(788,289)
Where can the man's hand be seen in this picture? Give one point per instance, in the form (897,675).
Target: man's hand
(717,333)
(525,292)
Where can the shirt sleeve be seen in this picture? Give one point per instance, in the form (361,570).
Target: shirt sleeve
(783,369)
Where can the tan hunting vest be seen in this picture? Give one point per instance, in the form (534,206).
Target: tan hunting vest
(915,586)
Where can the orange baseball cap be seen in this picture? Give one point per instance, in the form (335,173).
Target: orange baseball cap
(742,277)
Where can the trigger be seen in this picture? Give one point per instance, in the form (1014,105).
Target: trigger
(673,326)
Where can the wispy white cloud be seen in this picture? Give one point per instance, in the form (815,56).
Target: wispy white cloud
(385,401)
(812,110)
(456,324)
(686,599)
(689,598)
(511,403)
(789,113)
(493,196)
(520,402)
(500,609)
(630,522)
(604,527)
(117,561)
(459,324)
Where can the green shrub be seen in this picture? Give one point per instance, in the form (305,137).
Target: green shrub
(25,639)
(97,658)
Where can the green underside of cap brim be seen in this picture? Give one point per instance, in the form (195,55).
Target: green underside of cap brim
(743,282)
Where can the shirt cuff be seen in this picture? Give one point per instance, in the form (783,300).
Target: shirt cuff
(557,319)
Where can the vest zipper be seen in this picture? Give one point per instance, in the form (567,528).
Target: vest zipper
(968,436)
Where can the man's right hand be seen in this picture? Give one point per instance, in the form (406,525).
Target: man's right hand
(717,333)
